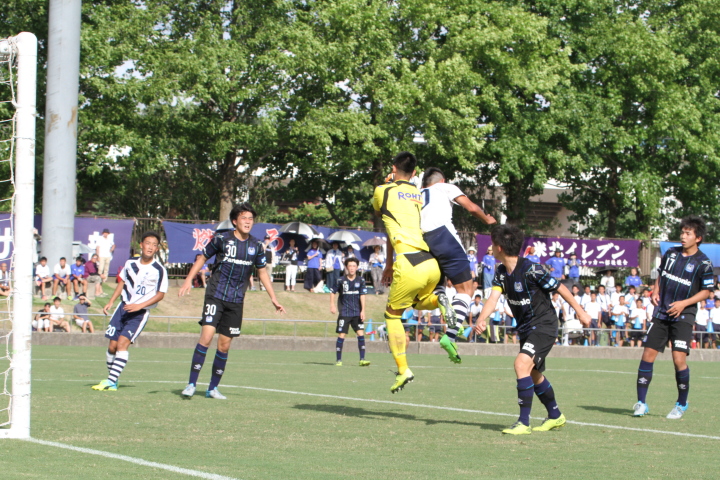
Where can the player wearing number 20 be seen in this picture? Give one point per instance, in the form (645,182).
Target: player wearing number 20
(236,253)
(142,283)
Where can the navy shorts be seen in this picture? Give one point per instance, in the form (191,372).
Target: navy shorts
(225,317)
(450,255)
(537,346)
(126,324)
(661,331)
(345,323)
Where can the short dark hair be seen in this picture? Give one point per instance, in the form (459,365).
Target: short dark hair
(696,223)
(48,304)
(478,296)
(405,162)
(631,287)
(63,258)
(239,208)
(509,237)
(43,258)
(57,299)
(150,233)
(431,176)
(352,259)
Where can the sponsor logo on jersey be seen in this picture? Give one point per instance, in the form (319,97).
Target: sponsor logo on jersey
(675,278)
(251,250)
(529,347)
(236,261)
(413,197)
(689,267)
(518,287)
(680,344)
(519,303)
(234,331)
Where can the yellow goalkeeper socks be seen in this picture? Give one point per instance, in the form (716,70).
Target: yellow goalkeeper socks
(396,339)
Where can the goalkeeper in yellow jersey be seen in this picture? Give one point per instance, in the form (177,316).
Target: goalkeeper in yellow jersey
(414,271)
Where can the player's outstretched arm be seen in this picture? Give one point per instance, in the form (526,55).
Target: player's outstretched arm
(115,295)
(194,270)
(265,281)
(582,315)
(487,310)
(475,210)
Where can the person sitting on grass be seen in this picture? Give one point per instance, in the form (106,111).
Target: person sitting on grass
(80,314)
(57,316)
(41,323)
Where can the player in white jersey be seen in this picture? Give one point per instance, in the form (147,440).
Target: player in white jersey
(445,245)
(142,283)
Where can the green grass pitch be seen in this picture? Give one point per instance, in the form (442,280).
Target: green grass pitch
(293,425)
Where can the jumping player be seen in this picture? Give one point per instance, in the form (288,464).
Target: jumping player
(236,252)
(352,290)
(142,283)
(685,277)
(445,245)
(415,271)
(527,287)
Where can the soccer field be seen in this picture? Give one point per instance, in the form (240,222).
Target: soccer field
(295,415)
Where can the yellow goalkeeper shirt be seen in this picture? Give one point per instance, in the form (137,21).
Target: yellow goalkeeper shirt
(399,204)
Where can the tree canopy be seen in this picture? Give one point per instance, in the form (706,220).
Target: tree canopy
(187,107)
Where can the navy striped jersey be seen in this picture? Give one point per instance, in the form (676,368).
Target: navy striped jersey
(234,262)
(349,291)
(527,290)
(681,278)
(142,282)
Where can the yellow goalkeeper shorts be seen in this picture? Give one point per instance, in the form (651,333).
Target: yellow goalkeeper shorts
(415,276)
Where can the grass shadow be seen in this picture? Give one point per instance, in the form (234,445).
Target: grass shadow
(319,363)
(346,411)
(625,412)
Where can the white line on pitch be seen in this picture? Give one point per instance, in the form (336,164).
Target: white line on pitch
(137,461)
(419,405)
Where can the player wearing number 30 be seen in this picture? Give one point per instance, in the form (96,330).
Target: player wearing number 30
(236,253)
(142,283)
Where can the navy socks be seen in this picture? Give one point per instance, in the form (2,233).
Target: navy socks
(338,348)
(683,385)
(361,347)
(645,372)
(546,394)
(525,398)
(197,363)
(218,369)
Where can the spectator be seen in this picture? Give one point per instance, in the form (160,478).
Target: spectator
(557,265)
(638,317)
(377,265)
(270,259)
(5,289)
(436,324)
(61,276)
(574,269)
(475,309)
(608,281)
(715,320)
(615,296)
(42,276)
(531,255)
(646,297)
(450,291)
(488,264)
(333,264)
(419,319)
(498,319)
(291,257)
(620,315)
(93,276)
(57,316)
(585,298)
(80,314)
(350,252)
(312,274)
(472,258)
(41,323)
(701,326)
(104,247)
(204,275)
(631,296)
(633,279)
(594,309)
(77,277)
(510,324)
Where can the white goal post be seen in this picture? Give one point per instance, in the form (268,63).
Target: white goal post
(23,50)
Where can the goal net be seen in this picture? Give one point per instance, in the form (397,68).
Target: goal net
(18,65)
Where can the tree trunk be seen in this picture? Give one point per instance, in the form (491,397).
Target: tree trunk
(612,206)
(227,185)
(516,201)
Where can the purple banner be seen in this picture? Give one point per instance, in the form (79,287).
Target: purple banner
(88,230)
(590,253)
(186,240)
